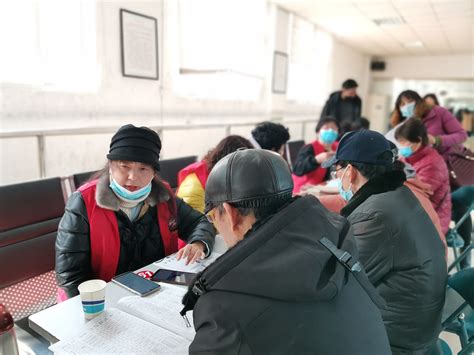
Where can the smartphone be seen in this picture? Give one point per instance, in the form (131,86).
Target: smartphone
(135,283)
(173,277)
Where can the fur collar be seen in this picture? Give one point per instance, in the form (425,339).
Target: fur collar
(387,182)
(105,197)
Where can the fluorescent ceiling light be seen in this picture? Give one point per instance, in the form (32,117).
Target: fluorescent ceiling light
(414,44)
(389,21)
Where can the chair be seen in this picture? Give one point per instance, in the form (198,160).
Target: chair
(441,348)
(169,168)
(458,316)
(81,178)
(29,217)
(455,241)
(292,149)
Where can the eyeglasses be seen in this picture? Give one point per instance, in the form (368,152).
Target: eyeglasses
(211,215)
(334,172)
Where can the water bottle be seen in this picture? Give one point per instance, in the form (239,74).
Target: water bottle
(8,344)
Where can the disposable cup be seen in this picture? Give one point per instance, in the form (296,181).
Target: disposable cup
(93,297)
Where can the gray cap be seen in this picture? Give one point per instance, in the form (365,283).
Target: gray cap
(250,178)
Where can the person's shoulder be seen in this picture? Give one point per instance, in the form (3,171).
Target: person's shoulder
(439,111)
(379,206)
(75,201)
(309,147)
(369,210)
(88,186)
(335,95)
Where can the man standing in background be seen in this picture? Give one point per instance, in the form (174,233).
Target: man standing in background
(344,105)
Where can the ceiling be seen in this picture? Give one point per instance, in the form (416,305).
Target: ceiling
(426,27)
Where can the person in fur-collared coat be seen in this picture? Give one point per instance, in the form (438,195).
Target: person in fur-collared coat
(126,217)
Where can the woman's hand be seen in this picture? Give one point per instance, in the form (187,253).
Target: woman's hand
(432,139)
(192,252)
(322,157)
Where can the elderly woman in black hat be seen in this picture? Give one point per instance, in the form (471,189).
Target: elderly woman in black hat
(126,217)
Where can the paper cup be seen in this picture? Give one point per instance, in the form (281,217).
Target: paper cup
(93,297)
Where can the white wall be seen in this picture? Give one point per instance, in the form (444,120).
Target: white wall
(119,100)
(348,63)
(456,66)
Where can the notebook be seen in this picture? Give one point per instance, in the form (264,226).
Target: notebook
(137,325)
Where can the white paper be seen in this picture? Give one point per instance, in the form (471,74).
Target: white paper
(116,332)
(161,308)
(171,263)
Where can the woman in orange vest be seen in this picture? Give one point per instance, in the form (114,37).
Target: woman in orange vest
(307,168)
(126,217)
(192,179)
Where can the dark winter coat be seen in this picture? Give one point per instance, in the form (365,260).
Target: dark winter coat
(404,258)
(280,291)
(333,107)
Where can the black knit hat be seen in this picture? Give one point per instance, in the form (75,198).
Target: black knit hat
(139,144)
(249,178)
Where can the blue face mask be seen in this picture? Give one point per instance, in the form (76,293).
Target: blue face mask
(129,195)
(328,136)
(405,152)
(408,110)
(346,195)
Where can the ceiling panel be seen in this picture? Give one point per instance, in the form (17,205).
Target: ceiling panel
(444,26)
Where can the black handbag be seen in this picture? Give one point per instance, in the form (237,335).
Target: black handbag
(461,166)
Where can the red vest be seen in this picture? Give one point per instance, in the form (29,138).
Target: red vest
(316,176)
(199,168)
(104,232)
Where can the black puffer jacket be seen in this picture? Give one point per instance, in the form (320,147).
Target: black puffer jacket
(280,291)
(403,256)
(140,240)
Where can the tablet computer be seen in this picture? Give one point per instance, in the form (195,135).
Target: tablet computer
(173,277)
(135,283)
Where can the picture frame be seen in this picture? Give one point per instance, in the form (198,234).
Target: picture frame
(280,72)
(139,45)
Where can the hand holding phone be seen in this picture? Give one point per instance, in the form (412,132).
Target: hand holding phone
(135,283)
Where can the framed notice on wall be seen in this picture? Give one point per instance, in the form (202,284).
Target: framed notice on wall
(280,72)
(139,45)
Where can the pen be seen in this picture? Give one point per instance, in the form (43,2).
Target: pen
(186,321)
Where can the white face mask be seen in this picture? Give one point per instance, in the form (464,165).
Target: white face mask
(408,109)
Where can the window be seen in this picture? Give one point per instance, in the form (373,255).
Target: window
(222,49)
(49,44)
(309,67)
(323,43)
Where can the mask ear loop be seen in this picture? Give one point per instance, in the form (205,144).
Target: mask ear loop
(350,184)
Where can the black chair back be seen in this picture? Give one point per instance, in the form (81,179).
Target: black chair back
(81,178)
(292,149)
(29,216)
(171,167)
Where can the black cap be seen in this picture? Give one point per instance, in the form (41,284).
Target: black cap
(364,146)
(250,178)
(139,144)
